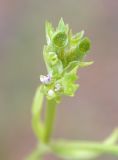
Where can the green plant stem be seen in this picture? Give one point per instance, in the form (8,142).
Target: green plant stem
(76,146)
(39,152)
(35,155)
(49,121)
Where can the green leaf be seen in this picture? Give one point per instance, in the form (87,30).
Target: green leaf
(68,82)
(85,64)
(38,100)
(62,27)
(78,64)
(49,32)
(57,69)
(76,38)
(36,113)
(80,34)
(45,56)
(71,66)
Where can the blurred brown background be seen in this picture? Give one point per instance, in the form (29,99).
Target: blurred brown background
(93,113)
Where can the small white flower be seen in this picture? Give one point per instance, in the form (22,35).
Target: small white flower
(45,79)
(51,93)
(42,78)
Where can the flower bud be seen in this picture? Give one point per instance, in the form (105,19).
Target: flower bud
(83,48)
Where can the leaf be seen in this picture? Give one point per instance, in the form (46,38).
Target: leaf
(62,27)
(49,32)
(38,100)
(36,112)
(85,64)
(80,34)
(77,37)
(78,64)
(71,66)
(68,82)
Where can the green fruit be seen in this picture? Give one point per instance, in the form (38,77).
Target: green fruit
(60,39)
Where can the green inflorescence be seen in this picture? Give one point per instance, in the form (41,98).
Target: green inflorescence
(64,55)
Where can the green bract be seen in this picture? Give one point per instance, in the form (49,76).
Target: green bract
(64,55)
